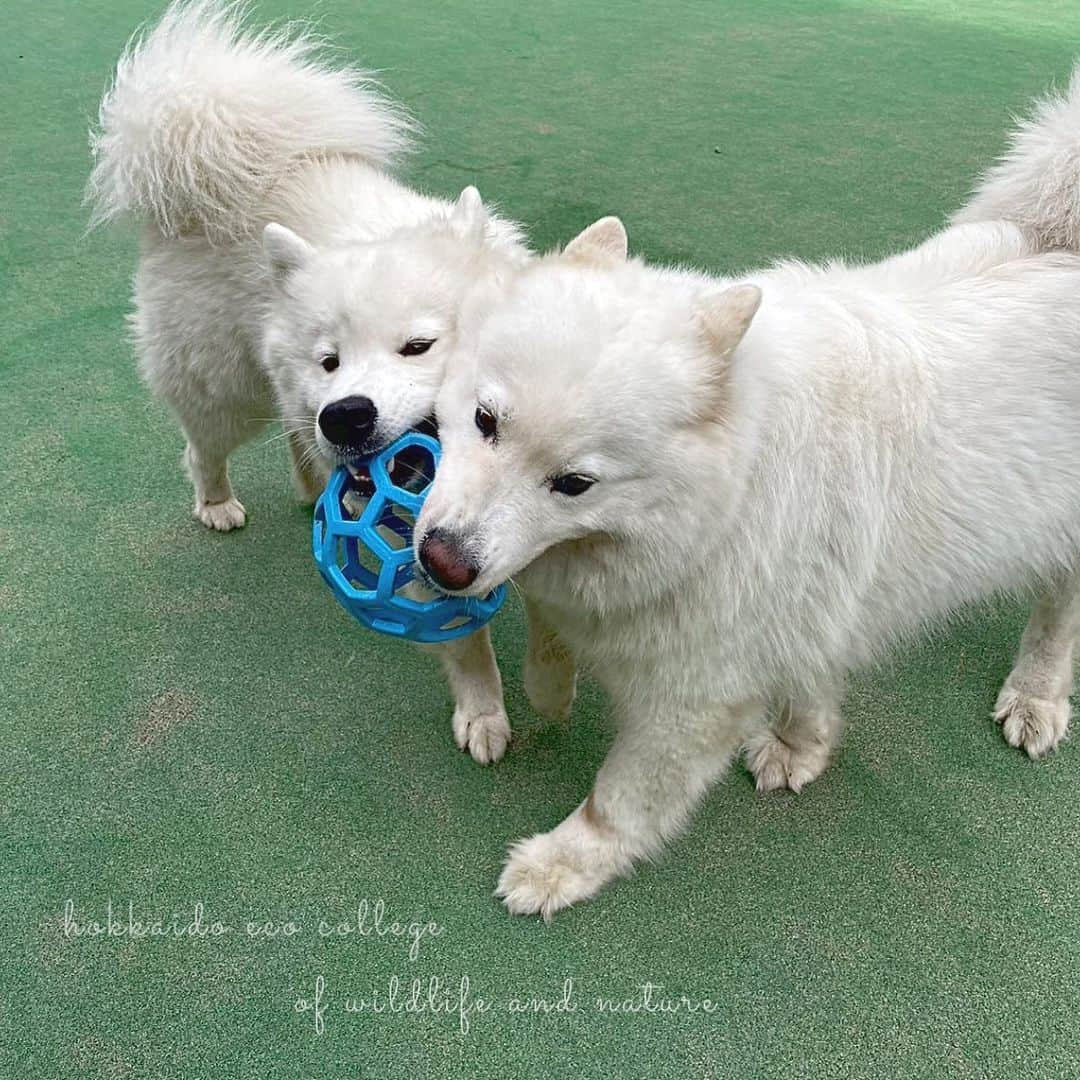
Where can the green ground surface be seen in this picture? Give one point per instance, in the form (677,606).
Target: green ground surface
(188,718)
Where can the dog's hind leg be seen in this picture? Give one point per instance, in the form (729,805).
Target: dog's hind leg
(479,722)
(794,748)
(1033,706)
(220,402)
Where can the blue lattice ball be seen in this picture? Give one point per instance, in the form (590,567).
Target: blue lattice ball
(362,541)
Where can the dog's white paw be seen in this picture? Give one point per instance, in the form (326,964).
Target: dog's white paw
(777,764)
(221,516)
(552,870)
(484,734)
(550,686)
(549,872)
(1033,724)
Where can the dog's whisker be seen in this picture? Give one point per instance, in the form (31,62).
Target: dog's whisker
(413,469)
(517,589)
(286,434)
(286,431)
(309,455)
(278,419)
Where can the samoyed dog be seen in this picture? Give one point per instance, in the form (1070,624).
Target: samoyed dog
(724,495)
(284,273)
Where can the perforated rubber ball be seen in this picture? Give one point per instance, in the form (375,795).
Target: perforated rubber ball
(362,542)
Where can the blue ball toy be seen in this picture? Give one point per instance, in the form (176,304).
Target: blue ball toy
(362,541)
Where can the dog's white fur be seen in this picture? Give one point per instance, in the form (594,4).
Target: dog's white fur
(273,236)
(782,491)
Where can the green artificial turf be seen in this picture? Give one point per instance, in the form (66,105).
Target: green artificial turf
(188,718)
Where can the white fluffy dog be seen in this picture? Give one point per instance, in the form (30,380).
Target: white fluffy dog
(283,271)
(725,495)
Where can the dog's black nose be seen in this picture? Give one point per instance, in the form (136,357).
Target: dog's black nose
(349,422)
(444,559)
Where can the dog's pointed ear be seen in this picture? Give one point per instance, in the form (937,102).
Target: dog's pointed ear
(723,316)
(603,243)
(285,251)
(726,315)
(470,216)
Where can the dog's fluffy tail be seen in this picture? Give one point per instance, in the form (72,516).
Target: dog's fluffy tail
(203,118)
(1036,183)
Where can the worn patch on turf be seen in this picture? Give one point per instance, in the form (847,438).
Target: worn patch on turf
(162,716)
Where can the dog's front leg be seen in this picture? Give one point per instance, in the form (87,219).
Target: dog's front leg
(1033,706)
(309,472)
(550,674)
(661,763)
(479,722)
(793,747)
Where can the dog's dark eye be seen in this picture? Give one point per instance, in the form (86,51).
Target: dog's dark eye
(330,362)
(486,422)
(572,483)
(416,346)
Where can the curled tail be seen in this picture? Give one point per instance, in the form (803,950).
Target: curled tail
(1036,183)
(203,118)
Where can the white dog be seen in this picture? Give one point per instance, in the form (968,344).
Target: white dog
(725,495)
(283,272)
